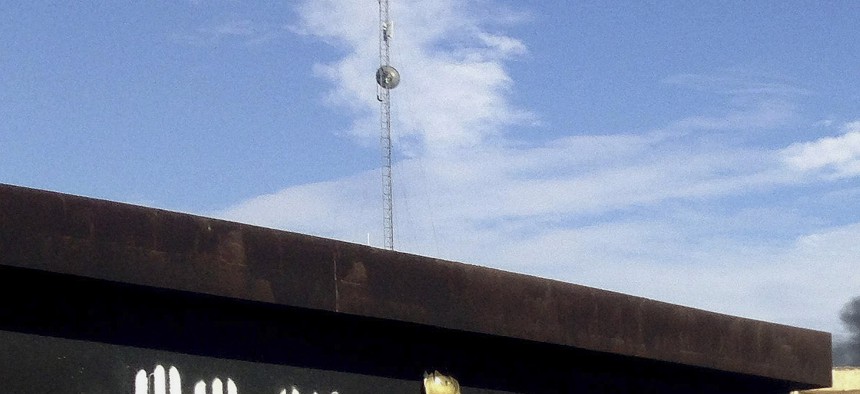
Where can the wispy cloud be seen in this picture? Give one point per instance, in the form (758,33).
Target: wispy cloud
(454,91)
(833,157)
(645,213)
(750,102)
(736,83)
(761,114)
(348,206)
(244,31)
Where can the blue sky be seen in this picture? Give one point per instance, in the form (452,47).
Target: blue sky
(700,153)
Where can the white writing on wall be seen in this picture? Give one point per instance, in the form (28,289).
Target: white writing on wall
(168,381)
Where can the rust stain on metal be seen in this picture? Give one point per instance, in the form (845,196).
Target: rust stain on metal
(124,243)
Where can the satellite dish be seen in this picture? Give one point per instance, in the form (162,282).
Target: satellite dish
(388,77)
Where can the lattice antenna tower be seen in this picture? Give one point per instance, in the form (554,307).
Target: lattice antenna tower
(387,78)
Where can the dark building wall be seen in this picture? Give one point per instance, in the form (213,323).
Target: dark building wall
(152,279)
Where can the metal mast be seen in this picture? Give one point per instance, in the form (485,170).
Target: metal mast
(387,78)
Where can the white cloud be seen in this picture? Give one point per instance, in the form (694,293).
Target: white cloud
(802,282)
(681,254)
(836,157)
(816,275)
(625,212)
(342,209)
(503,45)
(454,86)
(760,114)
